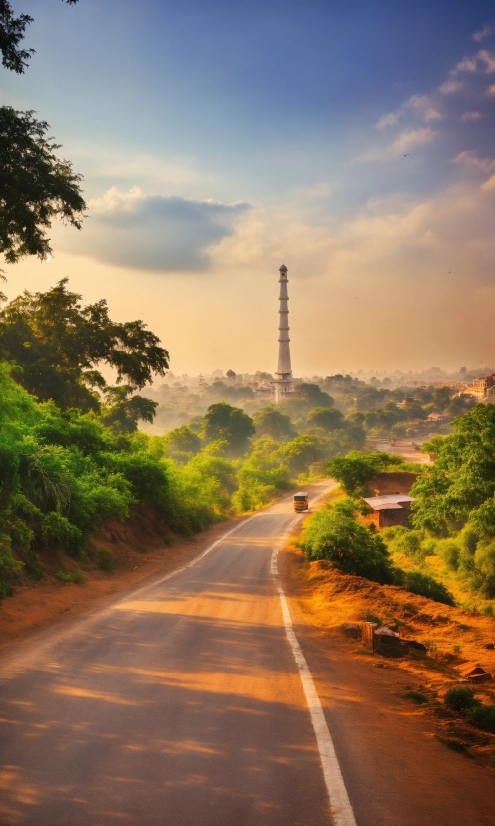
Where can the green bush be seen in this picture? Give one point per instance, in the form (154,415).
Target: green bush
(334,534)
(460,698)
(483,716)
(423,585)
(73,577)
(105,559)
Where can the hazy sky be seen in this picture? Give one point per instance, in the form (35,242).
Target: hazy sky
(351,140)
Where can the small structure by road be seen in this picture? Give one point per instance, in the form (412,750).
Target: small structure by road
(390,509)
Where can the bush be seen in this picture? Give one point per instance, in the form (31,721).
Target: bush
(423,585)
(73,577)
(483,716)
(402,540)
(460,698)
(105,559)
(334,534)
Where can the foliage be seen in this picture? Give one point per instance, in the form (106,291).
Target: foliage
(271,422)
(460,698)
(123,412)
(355,469)
(35,186)
(401,540)
(58,345)
(229,424)
(424,585)
(483,716)
(334,534)
(462,479)
(329,418)
(11,33)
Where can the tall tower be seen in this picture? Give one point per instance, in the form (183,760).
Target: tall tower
(283,381)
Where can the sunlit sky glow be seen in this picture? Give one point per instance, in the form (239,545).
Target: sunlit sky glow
(351,140)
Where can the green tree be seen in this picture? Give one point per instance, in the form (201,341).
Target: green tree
(35,186)
(58,345)
(123,411)
(271,422)
(12,31)
(302,452)
(334,534)
(355,469)
(329,418)
(222,422)
(462,479)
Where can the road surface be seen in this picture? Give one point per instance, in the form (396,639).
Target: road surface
(181,704)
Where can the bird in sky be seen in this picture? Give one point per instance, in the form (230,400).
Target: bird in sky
(407,153)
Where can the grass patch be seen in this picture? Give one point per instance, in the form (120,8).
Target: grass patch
(106,561)
(71,578)
(416,697)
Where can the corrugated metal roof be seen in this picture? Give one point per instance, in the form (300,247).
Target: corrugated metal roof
(391,501)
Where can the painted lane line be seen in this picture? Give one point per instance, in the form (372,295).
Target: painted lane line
(340,805)
(229,533)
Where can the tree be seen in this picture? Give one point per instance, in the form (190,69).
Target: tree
(303,451)
(462,479)
(329,418)
(334,534)
(11,33)
(57,345)
(123,411)
(271,422)
(355,469)
(35,186)
(222,422)
(231,374)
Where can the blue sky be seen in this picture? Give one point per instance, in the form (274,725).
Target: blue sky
(353,140)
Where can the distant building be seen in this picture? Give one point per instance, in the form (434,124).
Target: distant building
(481,388)
(438,417)
(390,509)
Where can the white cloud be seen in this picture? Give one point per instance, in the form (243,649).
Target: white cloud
(423,107)
(490,90)
(488,59)
(449,86)
(392,119)
(420,105)
(152,232)
(467,64)
(403,144)
(471,116)
(486,31)
(489,185)
(469,160)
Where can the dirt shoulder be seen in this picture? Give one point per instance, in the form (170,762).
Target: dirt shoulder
(137,554)
(324,599)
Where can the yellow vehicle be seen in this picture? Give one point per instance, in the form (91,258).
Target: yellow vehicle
(301,502)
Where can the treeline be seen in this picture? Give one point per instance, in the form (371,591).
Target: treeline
(452,518)
(72,455)
(380,411)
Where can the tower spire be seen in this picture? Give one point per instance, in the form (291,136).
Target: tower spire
(283,381)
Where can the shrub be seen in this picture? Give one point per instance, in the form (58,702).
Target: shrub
(460,698)
(423,585)
(334,534)
(73,577)
(106,561)
(483,716)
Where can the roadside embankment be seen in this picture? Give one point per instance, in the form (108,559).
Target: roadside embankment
(133,552)
(455,640)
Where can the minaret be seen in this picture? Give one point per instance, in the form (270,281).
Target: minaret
(283,381)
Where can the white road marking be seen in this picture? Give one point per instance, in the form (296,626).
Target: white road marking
(340,805)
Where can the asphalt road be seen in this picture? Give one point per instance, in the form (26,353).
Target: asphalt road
(181,704)
(178,704)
